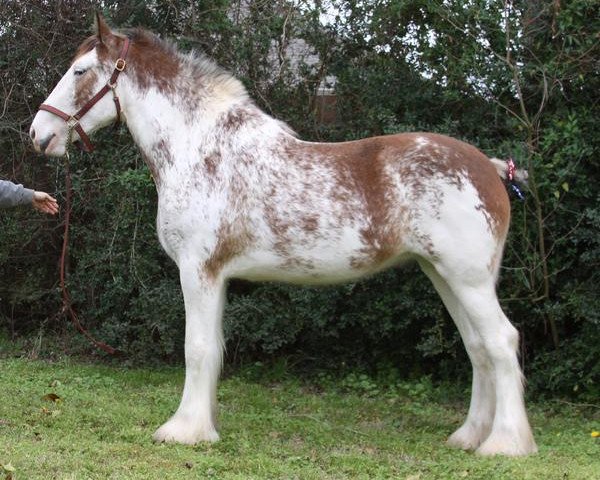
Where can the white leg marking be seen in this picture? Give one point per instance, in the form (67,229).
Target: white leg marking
(510,434)
(194,419)
(479,420)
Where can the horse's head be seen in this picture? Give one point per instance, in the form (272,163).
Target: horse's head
(72,110)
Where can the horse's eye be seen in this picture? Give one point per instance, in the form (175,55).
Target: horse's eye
(79,71)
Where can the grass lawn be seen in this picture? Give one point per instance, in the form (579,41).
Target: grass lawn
(101,427)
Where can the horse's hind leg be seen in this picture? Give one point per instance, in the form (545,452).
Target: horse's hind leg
(478,424)
(474,289)
(204,299)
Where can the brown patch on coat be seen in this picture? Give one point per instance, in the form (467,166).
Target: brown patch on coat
(85,88)
(309,223)
(230,244)
(299,264)
(211,162)
(150,60)
(236,118)
(206,169)
(278,226)
(162,153)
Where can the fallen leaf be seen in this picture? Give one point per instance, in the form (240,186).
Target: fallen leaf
(51,397)
(595,434)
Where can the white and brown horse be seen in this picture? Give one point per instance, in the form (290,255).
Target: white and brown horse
(240,196)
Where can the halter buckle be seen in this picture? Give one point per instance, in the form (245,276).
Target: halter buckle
(72,122)
(120,64)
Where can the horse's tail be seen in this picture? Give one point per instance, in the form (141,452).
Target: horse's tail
(506,170)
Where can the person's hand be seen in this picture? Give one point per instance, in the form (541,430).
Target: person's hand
(45,203)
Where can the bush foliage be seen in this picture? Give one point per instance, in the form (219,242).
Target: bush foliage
(515,78)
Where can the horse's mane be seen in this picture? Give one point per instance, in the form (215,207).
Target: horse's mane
(194,66)
(147,39)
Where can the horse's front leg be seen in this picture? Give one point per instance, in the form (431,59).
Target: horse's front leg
(194,420)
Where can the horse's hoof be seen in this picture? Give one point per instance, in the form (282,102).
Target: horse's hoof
(508,445)
(179,431)
(468,437)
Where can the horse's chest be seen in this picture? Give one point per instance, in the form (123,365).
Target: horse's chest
(184,220)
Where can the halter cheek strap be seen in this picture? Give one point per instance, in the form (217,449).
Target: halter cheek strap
(73,120)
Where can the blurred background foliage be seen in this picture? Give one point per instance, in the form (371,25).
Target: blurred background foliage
(515,78)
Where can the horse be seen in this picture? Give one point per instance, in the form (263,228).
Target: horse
(241,196)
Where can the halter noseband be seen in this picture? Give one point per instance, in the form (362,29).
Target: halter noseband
(73,120)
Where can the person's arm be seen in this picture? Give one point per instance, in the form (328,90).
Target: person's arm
(12,194)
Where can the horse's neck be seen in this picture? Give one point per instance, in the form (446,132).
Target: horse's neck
(175,137)
(157,123)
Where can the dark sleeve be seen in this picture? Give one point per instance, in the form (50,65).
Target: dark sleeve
(12,194)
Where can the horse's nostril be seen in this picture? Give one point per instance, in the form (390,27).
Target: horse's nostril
(46,142)
(32,134)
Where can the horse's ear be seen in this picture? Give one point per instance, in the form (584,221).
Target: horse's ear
(103,31)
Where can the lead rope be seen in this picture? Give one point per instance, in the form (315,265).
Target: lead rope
(66,297)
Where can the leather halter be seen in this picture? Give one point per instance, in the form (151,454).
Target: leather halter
(73,120)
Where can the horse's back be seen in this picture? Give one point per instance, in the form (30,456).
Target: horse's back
(416,169)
